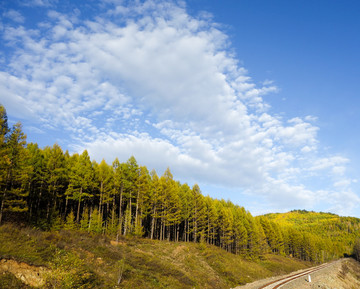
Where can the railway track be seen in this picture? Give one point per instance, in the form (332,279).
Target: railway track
(280,282)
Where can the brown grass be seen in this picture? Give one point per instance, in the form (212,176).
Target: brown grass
(144,263)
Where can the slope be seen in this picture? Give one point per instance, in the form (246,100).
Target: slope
(341,231)
(74,259)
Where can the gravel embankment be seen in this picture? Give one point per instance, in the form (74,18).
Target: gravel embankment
(341,274)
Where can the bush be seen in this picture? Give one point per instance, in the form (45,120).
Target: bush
(9,281)
(69,271)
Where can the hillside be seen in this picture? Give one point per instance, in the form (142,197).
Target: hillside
(51,190)
(342,231)
(82,260)
(169,234)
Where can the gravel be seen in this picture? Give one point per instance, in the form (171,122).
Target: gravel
(341,274)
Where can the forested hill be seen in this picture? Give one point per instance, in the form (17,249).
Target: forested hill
(52,190)
(341,232)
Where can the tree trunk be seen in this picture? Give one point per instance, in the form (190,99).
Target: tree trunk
(168,233)
(195,231)
(137,205)
(130,214)
(100,201)
(78,209)
(120,209)
(153,224)
(113,213)
(38,202)
(4,195)
(161,229)
(89,227)
(208,232)
(2,205)
(66,205)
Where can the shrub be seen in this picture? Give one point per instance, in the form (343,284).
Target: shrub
(69,271)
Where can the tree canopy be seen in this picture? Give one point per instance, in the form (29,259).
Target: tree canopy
(51,189)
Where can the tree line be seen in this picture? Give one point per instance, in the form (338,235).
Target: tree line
(51,189)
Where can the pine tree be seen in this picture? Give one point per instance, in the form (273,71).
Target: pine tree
(4,158)
(185,195)
(84,222)
(37,184)
(269,233)
(127,220)
(170,206)
(279,239)
(104,176)
(112,224)
(81,180)
(118,189)
(70,221)
(226,222)
(256,237)
(293,240)
(155,204)
(197,214)
(240,233)
(95,223)
(14,192)
(56,223)
(131,176)
(143,190)
(55,163)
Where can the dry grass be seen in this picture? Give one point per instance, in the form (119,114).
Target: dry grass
(143,263)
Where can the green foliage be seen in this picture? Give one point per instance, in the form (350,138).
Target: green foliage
(95,224)
(70,222)
(327,235)
(121,270)
(69,271)
(356,250)
(57,223)
(27,245)
(49,188)
(9,281)
(84,222)
(14,171)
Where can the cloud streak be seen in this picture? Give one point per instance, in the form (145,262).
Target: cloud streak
(150,80)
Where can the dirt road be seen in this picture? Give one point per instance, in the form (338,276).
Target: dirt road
(341,274)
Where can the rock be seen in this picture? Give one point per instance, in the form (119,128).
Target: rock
(30,275)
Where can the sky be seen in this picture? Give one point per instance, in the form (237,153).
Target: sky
(256,101)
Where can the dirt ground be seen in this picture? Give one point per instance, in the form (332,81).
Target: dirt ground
(341,274)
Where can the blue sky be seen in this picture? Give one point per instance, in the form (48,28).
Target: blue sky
(256,101)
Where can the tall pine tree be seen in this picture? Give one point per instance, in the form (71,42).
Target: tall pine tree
(16,173)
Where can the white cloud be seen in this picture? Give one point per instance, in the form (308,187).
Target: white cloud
(161,85)
(334,163)
(39,3)
(14,15)
(343,202)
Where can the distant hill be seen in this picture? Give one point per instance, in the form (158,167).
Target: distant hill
(339,232)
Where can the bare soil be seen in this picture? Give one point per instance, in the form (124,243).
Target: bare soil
(30,275)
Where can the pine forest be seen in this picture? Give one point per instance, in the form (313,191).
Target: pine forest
(51,189)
